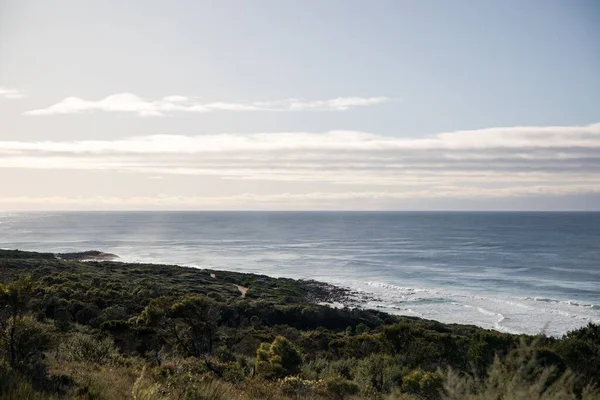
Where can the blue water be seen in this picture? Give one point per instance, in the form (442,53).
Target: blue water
(515,272)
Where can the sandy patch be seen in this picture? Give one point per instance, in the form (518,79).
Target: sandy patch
(242,289)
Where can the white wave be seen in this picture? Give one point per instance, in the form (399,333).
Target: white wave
(578,270)
(487,312)
(569,302)
(503,313)
(392,272)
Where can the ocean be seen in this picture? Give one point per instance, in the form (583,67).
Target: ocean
(520,272)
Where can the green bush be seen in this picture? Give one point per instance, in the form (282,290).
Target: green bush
(16,387)
(24,342)
(426,385)
(379,372)
(297,388)
(114,313)
(321,368)
(88,348)
(580,350)
(339,388)
(517,377)
(278,359)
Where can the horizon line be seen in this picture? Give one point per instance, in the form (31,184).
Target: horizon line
(306,211)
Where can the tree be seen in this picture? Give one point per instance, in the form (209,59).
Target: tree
(278,359)
(189,324)
(427,385)
(14,299)
(380,372)
(196,318)
(485,346)
(580,350)
(25,341)
(22,339)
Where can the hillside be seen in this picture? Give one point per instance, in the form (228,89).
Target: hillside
(111,330)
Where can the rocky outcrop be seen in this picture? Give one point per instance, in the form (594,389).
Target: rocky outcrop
(90,255)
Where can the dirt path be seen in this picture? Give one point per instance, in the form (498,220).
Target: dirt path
(242,289)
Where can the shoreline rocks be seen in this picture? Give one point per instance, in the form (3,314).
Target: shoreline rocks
(328,294)
(89,255)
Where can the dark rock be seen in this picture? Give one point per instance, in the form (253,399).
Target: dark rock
(90,255)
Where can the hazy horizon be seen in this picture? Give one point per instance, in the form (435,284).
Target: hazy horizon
(297,106)
(299,211)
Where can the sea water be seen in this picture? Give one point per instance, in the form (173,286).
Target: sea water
(514,272)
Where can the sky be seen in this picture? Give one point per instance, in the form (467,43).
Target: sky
(299,105)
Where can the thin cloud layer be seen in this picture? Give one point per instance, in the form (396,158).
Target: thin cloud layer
(10,93)
(496,162)
(289,201)
(130,103)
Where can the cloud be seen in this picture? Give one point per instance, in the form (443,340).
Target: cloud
(10,93)
(130,103)
(561,142)
(286,201)
(495,162)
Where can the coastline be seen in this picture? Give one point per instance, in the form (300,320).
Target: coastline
(308,291)
(217,325)
(401,267)
(317,292)
(248,286)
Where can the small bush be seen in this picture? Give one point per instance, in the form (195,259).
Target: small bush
(261,389)
(379,373)
(296,387)
(517,377)
(145,389)
(87,348)
(427,385)
(25,341)
(15,387)
(340,388)
(278,359)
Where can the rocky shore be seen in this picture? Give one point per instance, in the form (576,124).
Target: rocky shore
(316,292)
(89,255)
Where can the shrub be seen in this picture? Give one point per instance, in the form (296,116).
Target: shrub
(379,372)
(485,345)
(114,313)
(145,389)
(278,359)
(87,348)
(296,387)
(25,341)
(224,354)
(62,319)
(517,377)
(427,385)
(188,324)
(209,389)
(361,329)
(339,388)
(87,314)
(15,387)
(321,368)
(580,350)
(260,389)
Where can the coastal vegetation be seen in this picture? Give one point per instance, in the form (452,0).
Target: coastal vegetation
(109,330)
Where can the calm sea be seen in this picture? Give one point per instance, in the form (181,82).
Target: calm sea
(514,272)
